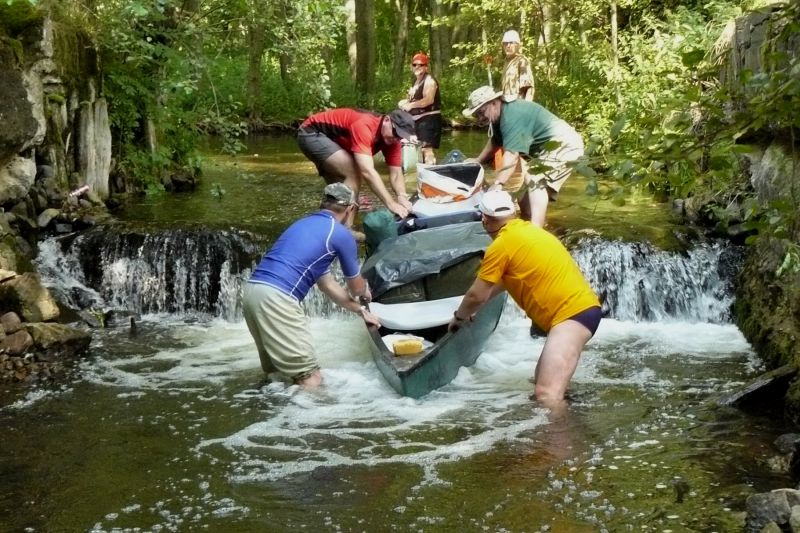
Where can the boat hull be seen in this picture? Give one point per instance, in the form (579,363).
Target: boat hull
(416,376)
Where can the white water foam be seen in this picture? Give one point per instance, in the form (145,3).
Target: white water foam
(357,419)
(33,397)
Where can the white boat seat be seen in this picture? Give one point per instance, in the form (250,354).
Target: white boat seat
(416,315)
(429,207)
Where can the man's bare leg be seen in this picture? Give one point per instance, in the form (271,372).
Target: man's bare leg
(340,167)
(427,156)
(558,361)
(539,200)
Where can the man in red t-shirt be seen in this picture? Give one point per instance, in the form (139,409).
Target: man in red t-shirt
(341,143)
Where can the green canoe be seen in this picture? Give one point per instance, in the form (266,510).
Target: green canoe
(439,363)
(415,298)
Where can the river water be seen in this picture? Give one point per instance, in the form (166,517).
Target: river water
(171,427)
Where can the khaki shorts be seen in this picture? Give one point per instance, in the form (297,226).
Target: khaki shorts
(280,329)
(515,181)
(571,148)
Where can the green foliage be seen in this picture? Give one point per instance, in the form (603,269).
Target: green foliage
(652,114)
(56,98)
(692,141)
(650,122)
(18,15)
(791,261)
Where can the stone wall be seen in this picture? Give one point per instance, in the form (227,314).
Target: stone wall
(767,306)
(54,138)
(52,111)
(746,39)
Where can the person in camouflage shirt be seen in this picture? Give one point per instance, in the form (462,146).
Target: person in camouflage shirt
(518,76)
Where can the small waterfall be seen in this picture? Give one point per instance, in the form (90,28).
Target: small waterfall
(638,282)
(202,272)
(177,271)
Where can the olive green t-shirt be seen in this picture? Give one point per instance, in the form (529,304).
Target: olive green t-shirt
(525,127)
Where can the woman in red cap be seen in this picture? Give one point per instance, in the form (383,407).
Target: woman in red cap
(425,106)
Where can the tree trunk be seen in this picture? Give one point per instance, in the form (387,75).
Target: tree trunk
(446,39)
(365,45)
(400,59)
(488,65)
(548,13)
(615,53)
(350,33)
(435,38)
(458,35)
(284,60)
(255,51)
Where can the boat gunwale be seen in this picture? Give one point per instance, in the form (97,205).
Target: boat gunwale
(389,357)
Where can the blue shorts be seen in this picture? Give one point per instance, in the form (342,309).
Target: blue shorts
(590,318)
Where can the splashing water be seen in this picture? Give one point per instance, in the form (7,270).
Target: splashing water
(211,445)
(182,273)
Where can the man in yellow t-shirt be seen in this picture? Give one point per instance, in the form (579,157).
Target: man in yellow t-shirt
(540,274)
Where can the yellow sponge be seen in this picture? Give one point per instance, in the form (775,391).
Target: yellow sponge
(407,347)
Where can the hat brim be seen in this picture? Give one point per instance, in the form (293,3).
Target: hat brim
(499,211)
(404,133)
(470,111)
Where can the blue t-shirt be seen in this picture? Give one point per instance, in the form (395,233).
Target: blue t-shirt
(304,253)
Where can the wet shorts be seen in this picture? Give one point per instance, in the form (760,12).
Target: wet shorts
(590,318)
(316,147)
(280,329)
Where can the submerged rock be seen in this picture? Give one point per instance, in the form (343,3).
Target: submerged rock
(787,442)
(775,507)
(54,341)
(766,389)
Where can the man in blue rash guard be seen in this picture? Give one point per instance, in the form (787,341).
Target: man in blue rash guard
(301,257)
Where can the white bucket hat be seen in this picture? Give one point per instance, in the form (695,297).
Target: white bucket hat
(478,97)
(511,36)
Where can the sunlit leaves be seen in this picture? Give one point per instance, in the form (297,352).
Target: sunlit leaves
(674,128)
(137,9)
(791,261)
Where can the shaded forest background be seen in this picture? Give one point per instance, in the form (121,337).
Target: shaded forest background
(640,79)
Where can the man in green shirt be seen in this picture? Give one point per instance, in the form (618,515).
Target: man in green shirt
(522,129)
